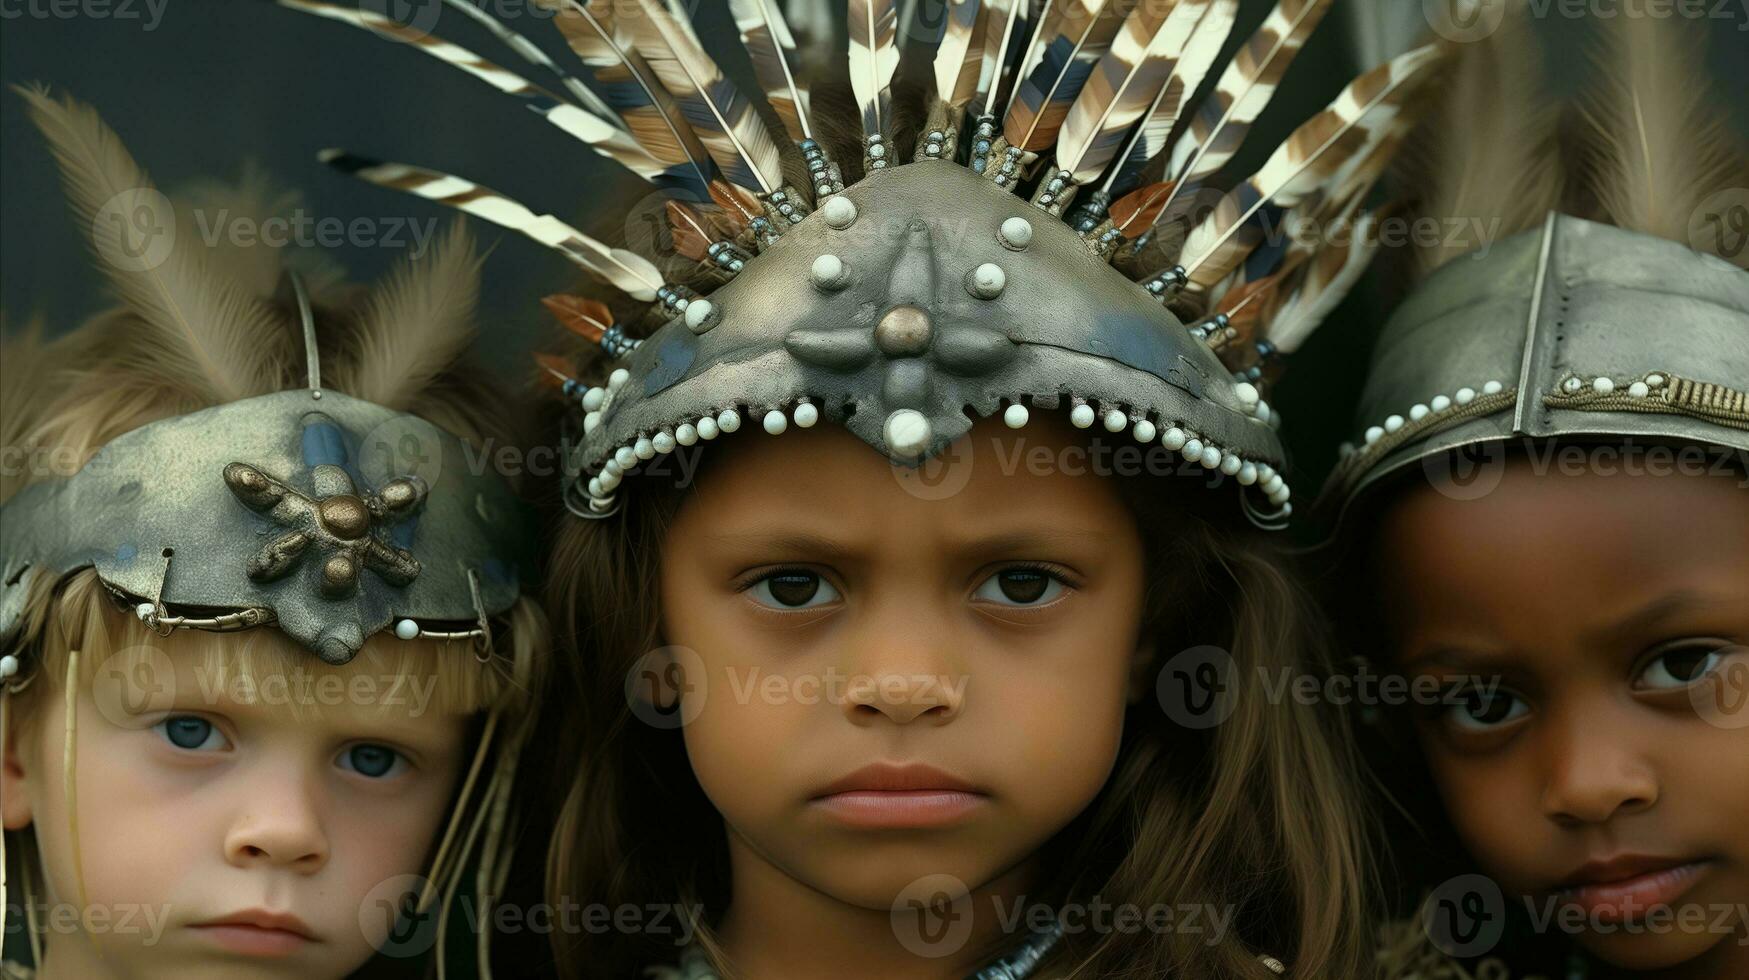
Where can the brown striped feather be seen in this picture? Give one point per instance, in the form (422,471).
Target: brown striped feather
(773,51)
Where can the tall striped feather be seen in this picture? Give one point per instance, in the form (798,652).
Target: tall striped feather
(1298,166)
(532,54)
(626,271)
(768,42)
(959,56)
(1071,40)
(1043,16)
(1134,77)
(1200,52)
(1244,89)
(1003,20)
(874,57)
(1321,285)
(629,84)
(597,133)
(725,122)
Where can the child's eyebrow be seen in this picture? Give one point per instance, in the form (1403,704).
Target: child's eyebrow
(1652,614)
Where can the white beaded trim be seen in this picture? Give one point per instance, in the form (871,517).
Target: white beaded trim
(1421,411)
(1015,415)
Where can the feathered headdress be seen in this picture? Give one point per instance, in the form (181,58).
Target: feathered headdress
(1069,110)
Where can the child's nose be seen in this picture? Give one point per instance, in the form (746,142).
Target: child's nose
(1594,768)
(279,830)
(905,668)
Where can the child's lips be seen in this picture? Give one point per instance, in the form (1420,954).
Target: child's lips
(1624,888)
(257,932)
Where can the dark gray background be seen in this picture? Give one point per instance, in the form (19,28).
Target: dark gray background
(195,87)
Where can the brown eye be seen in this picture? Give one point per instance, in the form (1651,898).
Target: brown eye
(793,588)
(1680,665)
(1020,587)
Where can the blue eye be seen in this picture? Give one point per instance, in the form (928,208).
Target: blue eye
(191,732)
(374,761)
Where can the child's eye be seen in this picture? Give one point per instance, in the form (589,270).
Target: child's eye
(793,588)
(374,761)
(1020,586)
(1482,711)
(192,732)
(1680,664)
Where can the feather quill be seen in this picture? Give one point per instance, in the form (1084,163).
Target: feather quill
(630,273)
(629,85)
(1661,141)
(596,132)
(532,54)
(587,318)
(1243,91)
(1200,51)
(1001,20)
(1138,74)
(202,332)
(959,56)
(694,231)
(415,325)
(768,42)
(1070,40)
(725,123)
(874,57)
(1302,163)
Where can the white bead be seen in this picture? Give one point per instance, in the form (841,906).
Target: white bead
(1374,434)
(697,313)
(1265,471)
(1654,380)
(1144,431)
(1247,393)
(685,434)
(1281,494)
(1016,233)
(406,629)
(590,421)
(612,467)
(828,272)
(8,666)
(1287,510)
(1440,403)
(807,413)
(595,486)
(1174,439)
(609,481)
(1263,412)
(987,281)
(707,428)
(1572,386)
(775,422)
(1211,457)
(1603,386)
(1393,423)
(1418,413)
(1014,416)
(593,398)
(1271,485)
(1248,474)
(1466,395)
(1638,390)
(840,212)
(1192,450)
(625,457)
(1492,388)
(729,420)
(1230,464)
(1081,416)
(664,442)
(617,379)
(644,448)
(1115,421)
(907,432)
